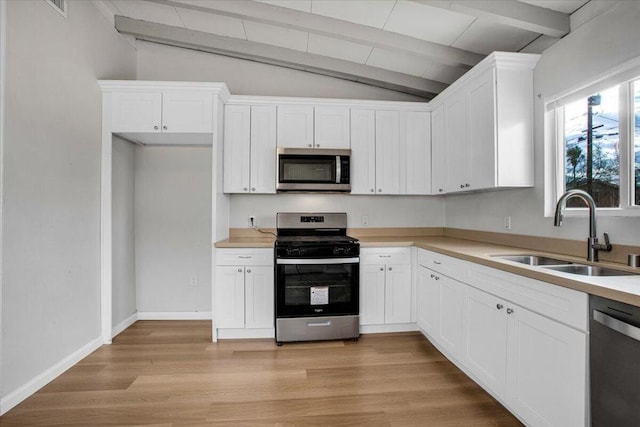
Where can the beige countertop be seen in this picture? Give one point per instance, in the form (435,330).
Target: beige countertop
(620,288)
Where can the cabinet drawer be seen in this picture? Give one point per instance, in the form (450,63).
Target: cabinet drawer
(442,264)
(385,255)
(244,257)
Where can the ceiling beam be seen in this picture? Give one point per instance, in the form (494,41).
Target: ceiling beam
(334,28)
(511,12)
(264,53)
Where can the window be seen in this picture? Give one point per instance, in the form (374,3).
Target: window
(598,146)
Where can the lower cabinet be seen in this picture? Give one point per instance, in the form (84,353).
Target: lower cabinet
(243,294)
(385,286)
(535,365)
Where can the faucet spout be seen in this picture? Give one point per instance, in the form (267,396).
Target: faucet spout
(592,243)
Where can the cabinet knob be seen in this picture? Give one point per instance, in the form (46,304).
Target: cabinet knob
(440,190)
(164,127)
(379,190)
(437,277)
(467,185)
(389,268)
(432,276)
(373,191)
(246,189)
(381,268)
(509,310)
(239,270)
(461,185)
(499,306)
(310,145)
(248,270)
(253,188)
(155,128)
(317,145)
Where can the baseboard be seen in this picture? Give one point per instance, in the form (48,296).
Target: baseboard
(246,333)
(124,324)
(381,329)
(174,315)
(23,392)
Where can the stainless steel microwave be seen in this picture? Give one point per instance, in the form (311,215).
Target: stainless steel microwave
(313,169)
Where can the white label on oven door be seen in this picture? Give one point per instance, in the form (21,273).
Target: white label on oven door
(319,295)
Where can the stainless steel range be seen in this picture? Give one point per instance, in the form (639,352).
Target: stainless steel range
(317,278)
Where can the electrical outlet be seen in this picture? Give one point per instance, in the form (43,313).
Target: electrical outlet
(507,222)
(252,221)
(365,220)
(193,281)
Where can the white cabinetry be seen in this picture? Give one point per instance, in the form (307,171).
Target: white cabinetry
(331,127)
(157,112)
(295,126)
(391,152)
(385,286)
(243,292)
(488,124)
(523,340)
(438,151)
(250,149)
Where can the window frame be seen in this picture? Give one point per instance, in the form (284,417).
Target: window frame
(555,175)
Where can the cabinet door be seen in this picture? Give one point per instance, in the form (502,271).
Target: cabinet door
(295,126)
(229,297)
(438,152)
(136,112)
(237,136)
(259,297)
(187,111)
(484,338)
(363,152)
(397,304)
(388,152)
(263,149)
(481,126)
(372,294)
(417,133)
(455,137)
(428,299)
(331,127)
(450,315)
(546,370)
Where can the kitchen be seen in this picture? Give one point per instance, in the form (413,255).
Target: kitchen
(63,174)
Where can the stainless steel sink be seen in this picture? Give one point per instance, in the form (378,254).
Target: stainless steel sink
(589,270)
(533,259)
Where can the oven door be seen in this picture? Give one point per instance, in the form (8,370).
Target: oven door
(317,287)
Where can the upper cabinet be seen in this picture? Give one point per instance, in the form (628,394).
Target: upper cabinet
(438,151)
(161,112)
(249,149)
(391,152)
(304,126)
(488,125)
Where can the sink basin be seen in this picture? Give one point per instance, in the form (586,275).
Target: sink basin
(533,259)
(589,270)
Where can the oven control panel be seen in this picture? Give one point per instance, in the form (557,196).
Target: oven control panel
(320,251)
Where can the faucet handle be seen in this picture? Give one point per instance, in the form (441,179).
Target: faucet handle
(607,245)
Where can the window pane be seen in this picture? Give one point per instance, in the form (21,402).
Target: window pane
(636,121)
(592,157)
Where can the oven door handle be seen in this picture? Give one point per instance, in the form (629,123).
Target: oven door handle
(317,261)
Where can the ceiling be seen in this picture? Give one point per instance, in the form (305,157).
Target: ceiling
(412,46)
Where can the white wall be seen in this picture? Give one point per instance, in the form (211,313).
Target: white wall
(123,232)
(589,51)
(173,229)
(51,218)
(383,211)
(159,62)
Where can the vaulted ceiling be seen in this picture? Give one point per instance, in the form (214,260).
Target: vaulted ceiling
(412,46)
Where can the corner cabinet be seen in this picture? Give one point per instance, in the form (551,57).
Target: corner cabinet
(522,340)
(487,127)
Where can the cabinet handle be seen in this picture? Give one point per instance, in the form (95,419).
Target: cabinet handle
(499,306)
(239,270)
(509,310)
(385,256)
(155,127)
(244,256)
(467,185)
(437,262)
(248,270)
(461,185)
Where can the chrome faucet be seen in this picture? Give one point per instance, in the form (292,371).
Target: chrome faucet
(592,243)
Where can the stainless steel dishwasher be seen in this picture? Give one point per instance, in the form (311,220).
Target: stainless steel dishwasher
(615,363)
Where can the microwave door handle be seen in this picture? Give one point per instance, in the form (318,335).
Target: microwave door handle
(338,170)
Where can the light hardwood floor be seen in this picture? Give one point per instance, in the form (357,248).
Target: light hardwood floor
(168,373)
